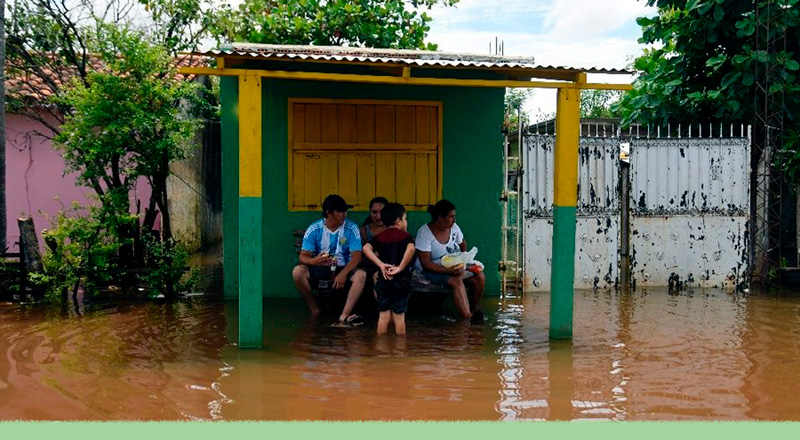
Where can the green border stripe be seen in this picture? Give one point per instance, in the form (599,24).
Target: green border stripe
(401,430)
(562,272)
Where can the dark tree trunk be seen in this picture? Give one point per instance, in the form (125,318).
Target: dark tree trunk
(160,188)
(163,205)
(29,245)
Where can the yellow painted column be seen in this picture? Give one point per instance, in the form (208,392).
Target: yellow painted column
(565,197)
(250,213)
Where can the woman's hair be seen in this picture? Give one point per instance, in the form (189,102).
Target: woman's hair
(381,200)
(440,209)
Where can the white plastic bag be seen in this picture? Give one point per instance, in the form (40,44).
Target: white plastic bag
(460,258)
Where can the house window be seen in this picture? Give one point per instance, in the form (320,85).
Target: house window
(360,149)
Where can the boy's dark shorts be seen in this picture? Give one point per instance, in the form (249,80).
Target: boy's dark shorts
(321,277)
(393,294)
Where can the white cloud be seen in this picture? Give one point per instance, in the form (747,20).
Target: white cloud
(582,20)
(578,33)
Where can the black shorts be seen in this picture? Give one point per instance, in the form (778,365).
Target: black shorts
(321,277)
(393,294)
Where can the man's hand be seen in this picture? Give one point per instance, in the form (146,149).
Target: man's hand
(339,281)
(323,259)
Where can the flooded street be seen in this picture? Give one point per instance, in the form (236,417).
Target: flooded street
(649,355)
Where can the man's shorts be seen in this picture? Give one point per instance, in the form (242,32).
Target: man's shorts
(393,294)
(321,277)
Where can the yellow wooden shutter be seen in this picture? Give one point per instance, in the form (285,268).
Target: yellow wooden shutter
(361,149)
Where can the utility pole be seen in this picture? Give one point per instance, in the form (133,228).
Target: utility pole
(3,225)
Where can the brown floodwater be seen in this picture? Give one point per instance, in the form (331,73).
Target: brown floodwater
(647,355)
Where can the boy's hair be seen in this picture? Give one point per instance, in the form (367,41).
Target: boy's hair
(392,212)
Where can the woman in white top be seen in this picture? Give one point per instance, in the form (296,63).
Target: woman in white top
(438,238)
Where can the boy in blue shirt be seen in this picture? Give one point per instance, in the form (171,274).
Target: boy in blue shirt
(332,248)
(392,251)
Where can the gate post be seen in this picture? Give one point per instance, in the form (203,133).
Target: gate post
(250,213)
(562,269)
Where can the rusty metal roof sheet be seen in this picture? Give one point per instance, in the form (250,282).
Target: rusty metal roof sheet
(39,85)
(411,58)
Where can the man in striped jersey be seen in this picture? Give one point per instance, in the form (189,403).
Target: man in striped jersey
(330,254)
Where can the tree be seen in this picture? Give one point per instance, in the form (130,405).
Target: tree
(596,104)
(515,100)
(704,69)
(126,122)
(48,44)
(54,43)
(394,24)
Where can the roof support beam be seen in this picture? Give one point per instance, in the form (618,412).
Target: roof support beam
(379,79)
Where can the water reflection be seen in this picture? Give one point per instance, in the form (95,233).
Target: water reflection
(644,355)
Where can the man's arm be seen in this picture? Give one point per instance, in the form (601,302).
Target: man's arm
(307,258)
(341,279)
(355,259)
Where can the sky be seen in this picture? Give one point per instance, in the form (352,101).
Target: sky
(575,33)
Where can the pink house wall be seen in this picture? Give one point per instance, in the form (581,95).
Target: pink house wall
(35,184)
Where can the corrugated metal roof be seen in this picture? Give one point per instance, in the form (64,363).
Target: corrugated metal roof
(411,58)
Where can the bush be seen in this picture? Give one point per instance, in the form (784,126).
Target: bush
(81,251)
(167,270)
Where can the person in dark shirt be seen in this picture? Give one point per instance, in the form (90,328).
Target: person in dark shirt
(392,251)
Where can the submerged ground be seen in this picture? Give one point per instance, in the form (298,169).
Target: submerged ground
(646,355)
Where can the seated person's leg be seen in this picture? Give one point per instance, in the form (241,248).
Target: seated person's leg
(475,285)
(302,281)
(460,296)
(436,278)
(357,279)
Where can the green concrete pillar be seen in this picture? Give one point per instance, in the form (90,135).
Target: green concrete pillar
(565,197)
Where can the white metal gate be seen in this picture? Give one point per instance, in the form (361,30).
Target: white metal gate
(688,218)
(690,205)
(598,220)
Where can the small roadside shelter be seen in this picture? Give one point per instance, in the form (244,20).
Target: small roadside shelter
(302,122)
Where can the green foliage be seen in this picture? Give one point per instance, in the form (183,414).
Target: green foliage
(81,250)
(706,57)
(130,120)
(178,25)
(167,267)
(596,104)
(515,100)
(365,23)
(126,121)
(52,42)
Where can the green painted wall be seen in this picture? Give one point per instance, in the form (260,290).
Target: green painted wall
(229,100)
(472,171)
